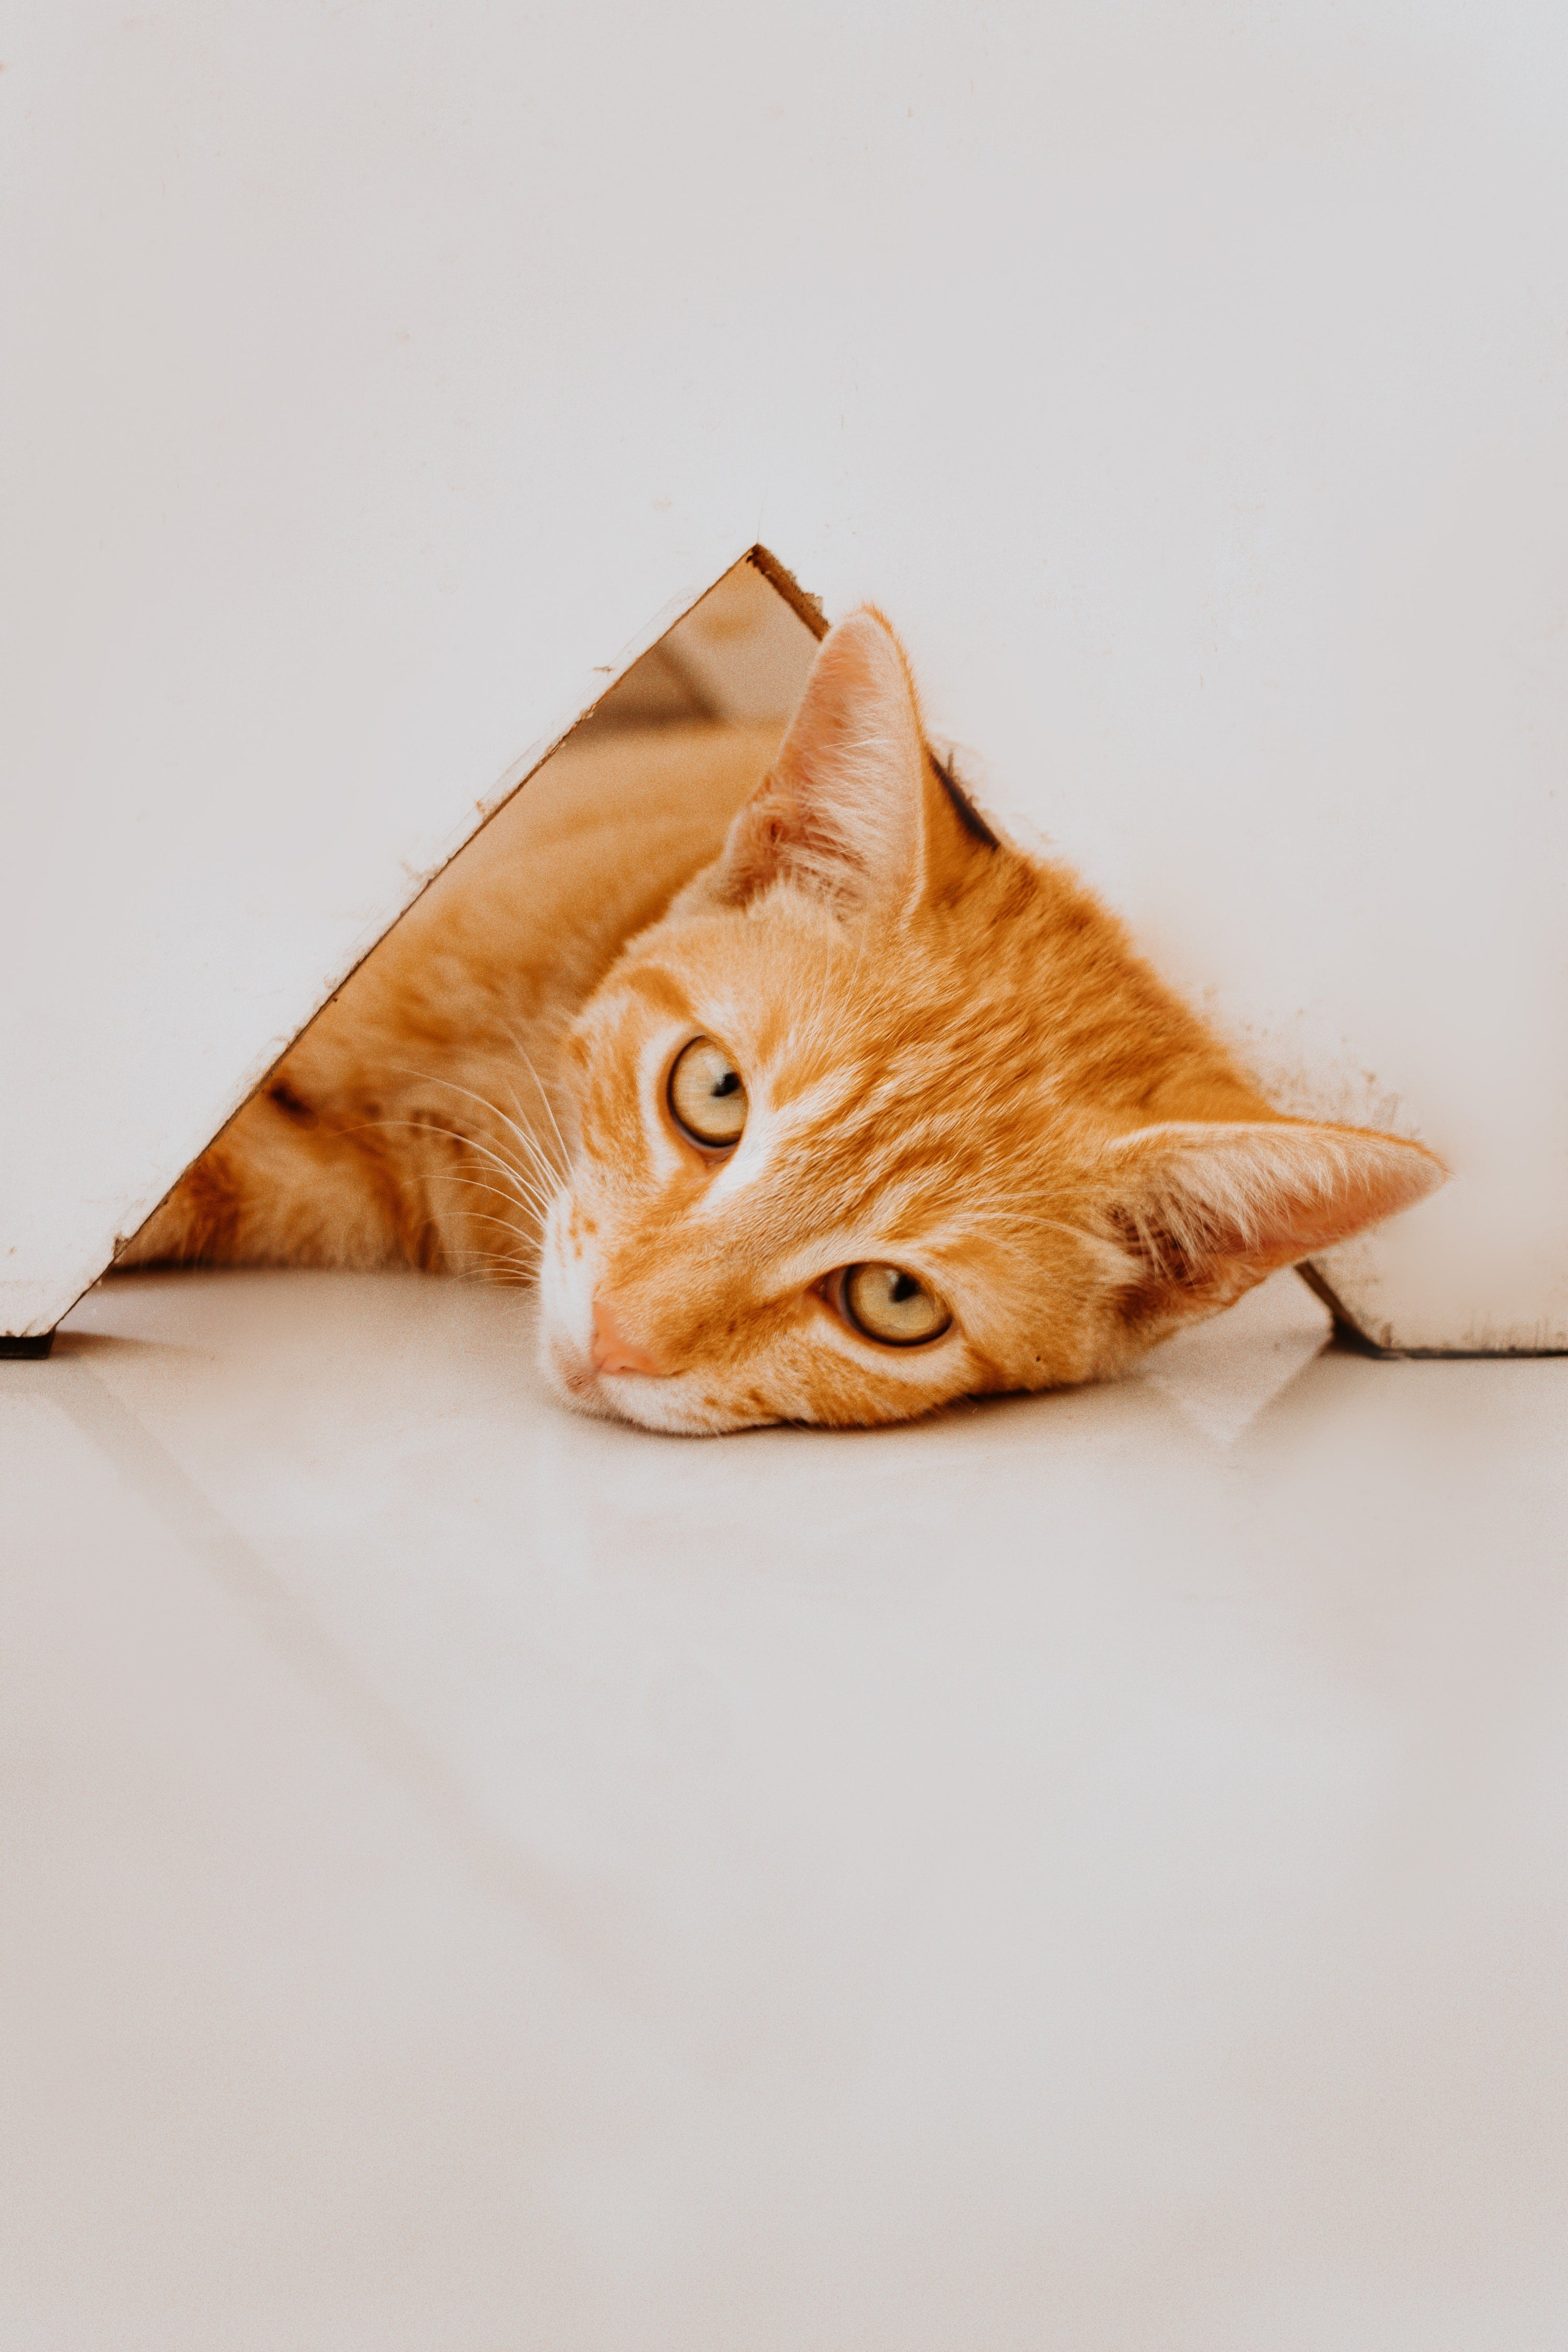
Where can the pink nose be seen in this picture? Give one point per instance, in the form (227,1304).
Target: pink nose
(613,1351)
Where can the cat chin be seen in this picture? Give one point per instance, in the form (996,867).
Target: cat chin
(662,1405)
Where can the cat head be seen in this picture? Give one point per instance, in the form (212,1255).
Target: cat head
(884,1112)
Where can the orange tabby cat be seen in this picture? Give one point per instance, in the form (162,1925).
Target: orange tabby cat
(806,1099)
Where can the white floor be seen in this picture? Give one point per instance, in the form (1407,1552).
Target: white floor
(1087,1876)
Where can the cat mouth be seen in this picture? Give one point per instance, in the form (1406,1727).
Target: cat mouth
(572,1375)
(665,1406)
(579,1383)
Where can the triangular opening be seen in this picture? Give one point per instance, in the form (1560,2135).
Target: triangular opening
(348,1151)
(739,656)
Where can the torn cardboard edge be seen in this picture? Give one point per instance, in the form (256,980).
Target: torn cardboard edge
(800,600)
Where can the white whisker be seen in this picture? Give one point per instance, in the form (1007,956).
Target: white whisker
(522,1184)
(530,1142)
(527,1060)
(477,1184)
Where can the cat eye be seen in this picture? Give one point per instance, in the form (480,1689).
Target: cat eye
(707,1096)
(886,1303)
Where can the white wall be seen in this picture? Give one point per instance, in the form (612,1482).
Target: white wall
(1187,382)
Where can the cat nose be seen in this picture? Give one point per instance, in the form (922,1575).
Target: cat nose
(613,1351)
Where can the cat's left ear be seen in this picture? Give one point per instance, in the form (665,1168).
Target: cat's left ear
(853,810)
(1207,1208)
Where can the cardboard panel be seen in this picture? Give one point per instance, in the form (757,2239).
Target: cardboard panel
(1186,384)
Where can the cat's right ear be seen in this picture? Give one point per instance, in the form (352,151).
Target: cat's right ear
(1207,1208)
(848,809)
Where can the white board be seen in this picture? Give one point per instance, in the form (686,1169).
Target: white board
(1187,385)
